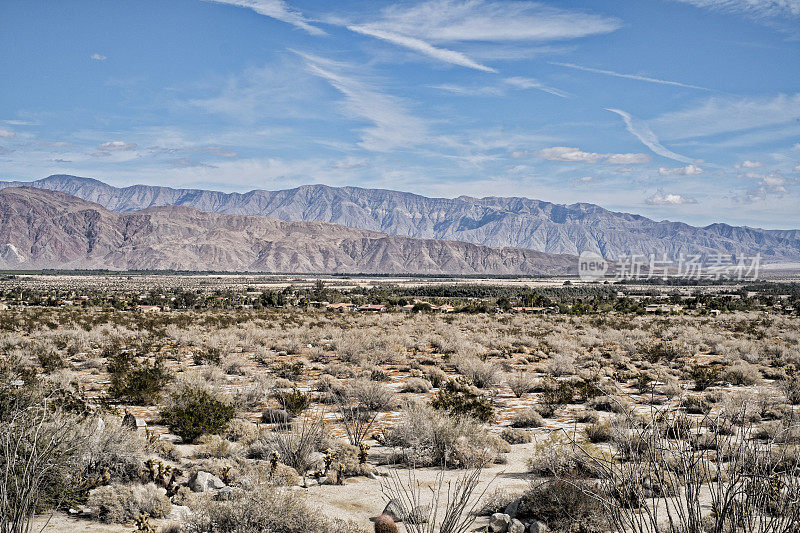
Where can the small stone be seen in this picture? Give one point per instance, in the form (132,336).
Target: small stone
(538,527)
(393,510)
(516,526)
(499,523)
(203,481)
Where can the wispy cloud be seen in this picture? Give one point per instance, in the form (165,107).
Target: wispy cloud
(629,76)
(7,134)
(664,198)
(575,155)
(98,57)
(756,9)
(530,83)
(750,164)
(642,131)
(117,146)
(729,114)
(393,126)
(277,9)
(688,170)
(418,45)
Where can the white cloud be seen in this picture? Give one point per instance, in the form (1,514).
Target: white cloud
(750,164)
(768,185)
(627,159)
(629,76)
(728,114)
(117,146)
(586,179)
(530,83)
(277,9)
(797,168)
(663,198)
(7,134)
(642,131)
(461,90)
(99,57)
(418,45)
(688,170)
(481,20)
(571,154)
(756,9)
(393,126)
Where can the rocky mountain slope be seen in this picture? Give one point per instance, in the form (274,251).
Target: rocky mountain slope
(48,229)
(491,221)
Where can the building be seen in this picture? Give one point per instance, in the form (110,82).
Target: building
(340,307)
(374,308)
(148,308)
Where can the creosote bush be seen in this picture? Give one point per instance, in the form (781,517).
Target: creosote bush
(137,381)
(459,399)
(194,411)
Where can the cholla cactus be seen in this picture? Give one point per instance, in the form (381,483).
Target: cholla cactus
(143,524)
(273,463)
(385,524)
(225,473)
(330,456)
(363,448)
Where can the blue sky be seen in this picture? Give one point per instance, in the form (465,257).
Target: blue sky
(676,109)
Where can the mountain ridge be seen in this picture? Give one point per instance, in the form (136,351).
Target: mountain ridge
(41,228)
(491,221)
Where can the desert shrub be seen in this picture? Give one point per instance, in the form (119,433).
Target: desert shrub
(265,508)
(48,356)
(529,418)
(790,385)
(515,436)
(134,381)
(704,376)
(480,373)
(521,383)
(696,404)
(459,399)
(214,446)
(557,456)
(120,504)
(194,411)
(429,437)
(496,501)
(209,355)
(372,395)
(293,401)
(588,416)
(557,393)
(599,431)
(742,373)
(418,385)
(113,449)
(295,444)
(276,416)
(564,505)
(286,370)
(611,404)
(435,375)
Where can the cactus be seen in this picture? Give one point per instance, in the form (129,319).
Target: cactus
(385,524)
(330,456)
(143,524)
(363,448)
(225,473)
(273,463)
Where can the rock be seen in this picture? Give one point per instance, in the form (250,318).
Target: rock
(511,508)
(538,527)
(393,510)
(178,513)
(419,515)
(499,523)
(226,493)
(203,481)
(385,524)
(516,526)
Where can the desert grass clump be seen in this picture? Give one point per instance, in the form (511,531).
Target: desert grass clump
(521,383)
(428,437)
(417,385)
(515,436)
(480,373)
(120,504)
(529,418)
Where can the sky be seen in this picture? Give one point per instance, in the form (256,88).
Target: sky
(683,110)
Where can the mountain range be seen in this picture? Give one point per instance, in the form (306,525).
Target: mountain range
(49,229)
(491,221)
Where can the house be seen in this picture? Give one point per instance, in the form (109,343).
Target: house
(148,308)
(663,308)
(340,307)
(541,310)
(374,308)
(446,308)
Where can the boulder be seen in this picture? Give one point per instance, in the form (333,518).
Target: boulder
(203,481)
(511,508)
(516,526)
(385,524)
(499,523)
(419,515)
(178,513)
(538,527)
(393,510)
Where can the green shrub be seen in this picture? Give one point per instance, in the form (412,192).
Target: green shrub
(515,436)
(134,381)
(564,505)
(294,401)
(195,412)
(458,399)
(705,376)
